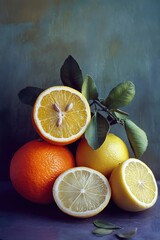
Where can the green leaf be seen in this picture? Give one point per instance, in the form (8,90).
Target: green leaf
(127,234)
(71,74)
(97,130)
(104,224)
(120,96)
(137,138)
(102,231)
(29,95)
(89,89)
(121,115)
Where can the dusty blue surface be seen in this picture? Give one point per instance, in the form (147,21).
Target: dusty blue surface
(112,40)
(20,219)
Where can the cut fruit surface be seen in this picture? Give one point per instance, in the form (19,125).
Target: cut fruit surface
(81,192)
(133,185)
(61,115)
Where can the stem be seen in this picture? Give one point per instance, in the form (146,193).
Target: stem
(111,118)
(103,108)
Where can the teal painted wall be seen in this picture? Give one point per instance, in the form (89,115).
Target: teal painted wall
(112,40)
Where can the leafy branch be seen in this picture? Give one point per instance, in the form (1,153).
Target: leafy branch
(105,112)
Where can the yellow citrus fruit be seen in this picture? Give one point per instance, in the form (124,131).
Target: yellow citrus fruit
(35,166)
(61,115)
(104,159)
(81,192)
(133,186)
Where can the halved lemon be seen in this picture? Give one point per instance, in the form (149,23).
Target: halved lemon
(81,192)
(61,115)
(133,186)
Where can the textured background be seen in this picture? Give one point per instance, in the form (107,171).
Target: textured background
(112,41)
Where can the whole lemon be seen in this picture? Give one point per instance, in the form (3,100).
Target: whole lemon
(104,159)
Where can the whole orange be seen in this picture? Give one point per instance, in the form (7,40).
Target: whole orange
(35,166)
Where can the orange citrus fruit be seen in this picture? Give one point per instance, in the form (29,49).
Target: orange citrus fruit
(61,115)
(34,168)
(104,159)
(81,192)
(133,186)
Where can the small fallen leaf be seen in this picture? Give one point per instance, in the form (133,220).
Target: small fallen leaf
(127,234)
(104,224)
(101,231)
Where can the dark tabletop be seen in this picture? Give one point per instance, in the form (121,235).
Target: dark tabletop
(23,220)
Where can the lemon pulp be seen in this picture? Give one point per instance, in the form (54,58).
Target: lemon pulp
(81,192)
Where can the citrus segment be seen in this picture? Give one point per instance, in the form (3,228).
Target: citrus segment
(104,159)
(61,115)
(81,192)
(133,185)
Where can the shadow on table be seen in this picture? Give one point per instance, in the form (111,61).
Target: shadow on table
(26,220)
(12,202)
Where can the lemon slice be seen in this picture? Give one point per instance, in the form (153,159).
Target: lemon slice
(133,185)
(61,115)
(81,192)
